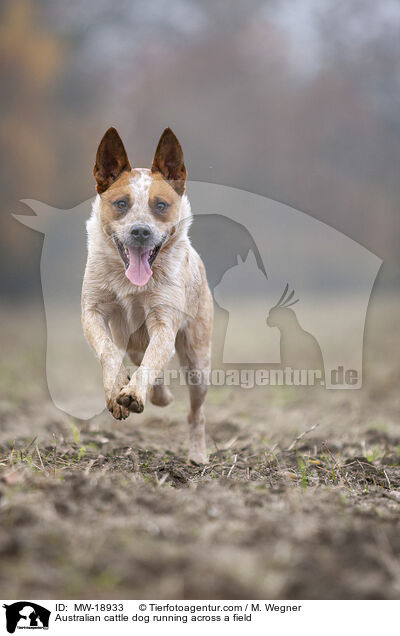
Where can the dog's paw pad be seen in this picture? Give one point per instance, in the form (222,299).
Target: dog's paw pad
(117,411)
(131,402)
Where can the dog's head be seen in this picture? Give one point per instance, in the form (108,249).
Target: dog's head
(141,210)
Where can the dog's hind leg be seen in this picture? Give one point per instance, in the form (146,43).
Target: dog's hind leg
(197,425)
(196,362)
(159,394)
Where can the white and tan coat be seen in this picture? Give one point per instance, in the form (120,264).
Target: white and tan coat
(173,310)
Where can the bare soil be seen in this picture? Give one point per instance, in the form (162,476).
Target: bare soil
(104,509)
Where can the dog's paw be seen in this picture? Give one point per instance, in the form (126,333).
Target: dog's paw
(160,395)
(128,399)
(117,411)
(112,387)
(197,458)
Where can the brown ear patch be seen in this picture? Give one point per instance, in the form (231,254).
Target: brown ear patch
(168,161)
(111,160)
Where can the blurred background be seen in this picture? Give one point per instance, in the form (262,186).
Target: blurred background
(295,101)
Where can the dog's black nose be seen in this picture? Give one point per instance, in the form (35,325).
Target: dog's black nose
(141,232)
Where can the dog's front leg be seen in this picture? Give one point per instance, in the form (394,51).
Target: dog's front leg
(158,352)
(115,375)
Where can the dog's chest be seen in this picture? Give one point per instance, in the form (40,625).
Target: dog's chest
(133,310)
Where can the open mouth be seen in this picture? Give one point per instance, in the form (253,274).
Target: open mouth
(154,253)
(138,261)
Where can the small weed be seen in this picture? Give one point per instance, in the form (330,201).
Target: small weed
(76,434)
(29,461)
(82,452)
(303,471)
(374,454)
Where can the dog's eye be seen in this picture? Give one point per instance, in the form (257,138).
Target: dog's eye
(121,204)
(161,206)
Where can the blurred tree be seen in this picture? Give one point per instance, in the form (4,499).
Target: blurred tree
(296,101)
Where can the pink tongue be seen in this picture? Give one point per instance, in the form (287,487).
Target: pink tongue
(139,271)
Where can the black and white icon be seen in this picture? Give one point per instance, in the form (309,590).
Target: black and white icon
(26,615)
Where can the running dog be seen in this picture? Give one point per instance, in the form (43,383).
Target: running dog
(145,291)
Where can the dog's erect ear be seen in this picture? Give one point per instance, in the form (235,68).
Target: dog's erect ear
(111,160)
(168,160)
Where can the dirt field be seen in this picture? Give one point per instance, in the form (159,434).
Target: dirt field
(104,509)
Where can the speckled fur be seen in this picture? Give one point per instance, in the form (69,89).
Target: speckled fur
(173,310)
